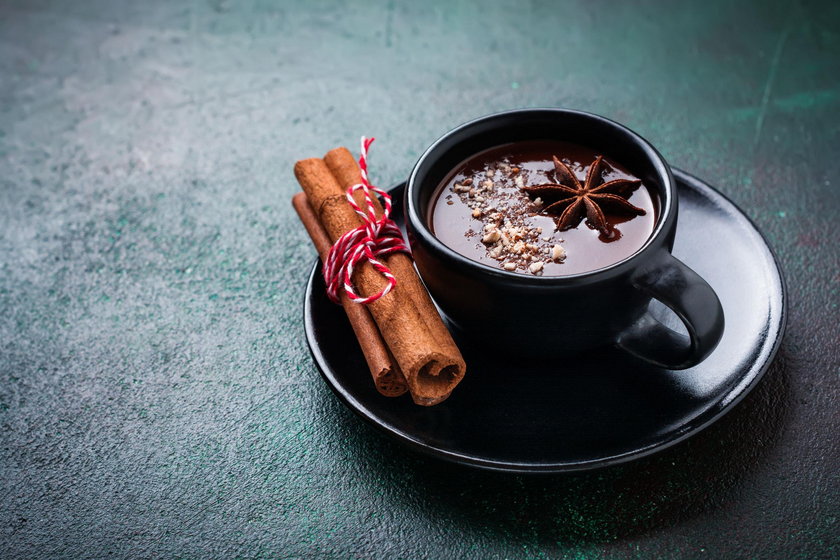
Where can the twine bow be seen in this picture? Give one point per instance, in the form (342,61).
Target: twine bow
(375,238)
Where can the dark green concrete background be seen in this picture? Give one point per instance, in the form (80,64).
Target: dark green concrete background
(157,398)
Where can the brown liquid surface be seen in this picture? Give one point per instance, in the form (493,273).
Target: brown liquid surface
(586,249)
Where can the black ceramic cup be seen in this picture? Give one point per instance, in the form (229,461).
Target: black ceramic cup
(549,316)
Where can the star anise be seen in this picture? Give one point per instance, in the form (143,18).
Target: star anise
(572,200)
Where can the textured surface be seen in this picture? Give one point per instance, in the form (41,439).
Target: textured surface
(156,394)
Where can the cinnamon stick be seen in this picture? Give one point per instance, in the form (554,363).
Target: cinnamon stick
(387,376)
(428,358)
(346,170)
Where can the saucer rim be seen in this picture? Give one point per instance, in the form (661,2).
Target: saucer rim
(752,374)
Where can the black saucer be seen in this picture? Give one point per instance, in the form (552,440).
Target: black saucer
(574,414)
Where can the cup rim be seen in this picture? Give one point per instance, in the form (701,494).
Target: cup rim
(666,216)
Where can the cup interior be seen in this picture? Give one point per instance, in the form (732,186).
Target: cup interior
(613,140)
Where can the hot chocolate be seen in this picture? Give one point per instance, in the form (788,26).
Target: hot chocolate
(543,208)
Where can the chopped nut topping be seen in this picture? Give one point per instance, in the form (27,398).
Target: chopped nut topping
(494,196)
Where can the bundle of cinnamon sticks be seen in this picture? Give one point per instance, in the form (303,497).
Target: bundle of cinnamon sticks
(405,343)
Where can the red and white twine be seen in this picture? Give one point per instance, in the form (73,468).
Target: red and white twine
(375,238)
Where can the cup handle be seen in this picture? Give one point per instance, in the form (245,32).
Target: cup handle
(692,299)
